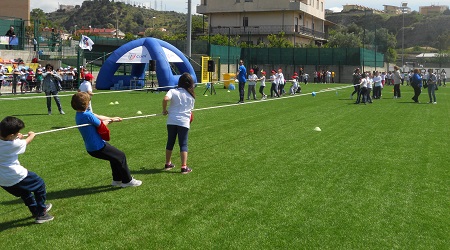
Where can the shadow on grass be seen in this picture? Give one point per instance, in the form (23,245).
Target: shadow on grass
(74,192)
(415,103)
(68,193)
(18,115)
(16,223)
(152,171)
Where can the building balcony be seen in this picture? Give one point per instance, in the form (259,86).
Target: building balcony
(262,6)
(265,30)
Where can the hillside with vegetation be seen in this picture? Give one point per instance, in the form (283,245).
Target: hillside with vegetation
(419,30)
(131,19)
(392,35)
(381,32)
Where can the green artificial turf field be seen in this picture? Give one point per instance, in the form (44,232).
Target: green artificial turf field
(375,177)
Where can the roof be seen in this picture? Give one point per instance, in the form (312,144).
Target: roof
(428,55)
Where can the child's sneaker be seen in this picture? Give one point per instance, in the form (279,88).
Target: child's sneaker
(168,167)
(132,183)
(44,218)
(186,170)
(33,210)
(116,183)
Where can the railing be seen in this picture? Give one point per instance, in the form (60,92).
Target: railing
(269,29)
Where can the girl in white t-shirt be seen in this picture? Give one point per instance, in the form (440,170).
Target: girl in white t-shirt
(280,81)
(377,85)
(179,114)
(369,87)
(363,90)
(86,86)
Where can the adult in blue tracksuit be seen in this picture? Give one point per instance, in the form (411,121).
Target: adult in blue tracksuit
(242,78)
(416,83)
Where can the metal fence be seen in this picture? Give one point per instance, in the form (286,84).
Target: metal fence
(313,56)
(19,29)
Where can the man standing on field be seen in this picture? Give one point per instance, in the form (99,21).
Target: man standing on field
(242,78)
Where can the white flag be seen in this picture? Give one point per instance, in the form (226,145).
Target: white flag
(86,43)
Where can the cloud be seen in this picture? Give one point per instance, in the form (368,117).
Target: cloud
(336,9)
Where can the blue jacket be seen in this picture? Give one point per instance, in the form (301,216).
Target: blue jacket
(416,80)
(242,76)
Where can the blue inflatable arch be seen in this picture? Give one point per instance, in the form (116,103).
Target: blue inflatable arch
(139,53)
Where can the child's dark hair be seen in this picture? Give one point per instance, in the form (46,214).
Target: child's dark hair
(186,82)
(48,65)
(10,125)
(80,101)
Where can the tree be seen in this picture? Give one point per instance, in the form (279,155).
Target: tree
(219,39)
(391,55)
(279,41)
(338,39)
(156,33)
(129,37)
(443,41)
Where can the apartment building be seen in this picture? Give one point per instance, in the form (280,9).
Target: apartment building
(302,21)
(17,9)
(433,9)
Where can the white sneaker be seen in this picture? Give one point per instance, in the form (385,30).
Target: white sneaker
(116,183)
(434,102)
(132,183)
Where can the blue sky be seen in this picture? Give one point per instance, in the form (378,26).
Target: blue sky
(181,5)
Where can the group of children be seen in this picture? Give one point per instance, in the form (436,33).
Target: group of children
(278,83)
(364,84)
(20,182)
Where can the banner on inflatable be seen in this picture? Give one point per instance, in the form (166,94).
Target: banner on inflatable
(7,40)
(137,55)
(141,55)
(171,56)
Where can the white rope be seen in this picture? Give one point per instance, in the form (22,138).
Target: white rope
(95,93)
(200,109)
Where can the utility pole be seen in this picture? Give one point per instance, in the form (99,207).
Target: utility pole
(189,30)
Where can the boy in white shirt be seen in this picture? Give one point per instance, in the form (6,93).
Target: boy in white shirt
(252,78)
(263,85)
(16,179)
(295,85)
(2,76)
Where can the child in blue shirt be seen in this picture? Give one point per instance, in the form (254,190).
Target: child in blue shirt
(96,146)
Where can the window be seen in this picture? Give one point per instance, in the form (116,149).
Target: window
(237,1)
(248,0)
(321,6)
(245,21)
(317,4)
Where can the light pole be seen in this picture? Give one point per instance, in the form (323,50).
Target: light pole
(404,5)
(228,56)
(153,22)
(75,30)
